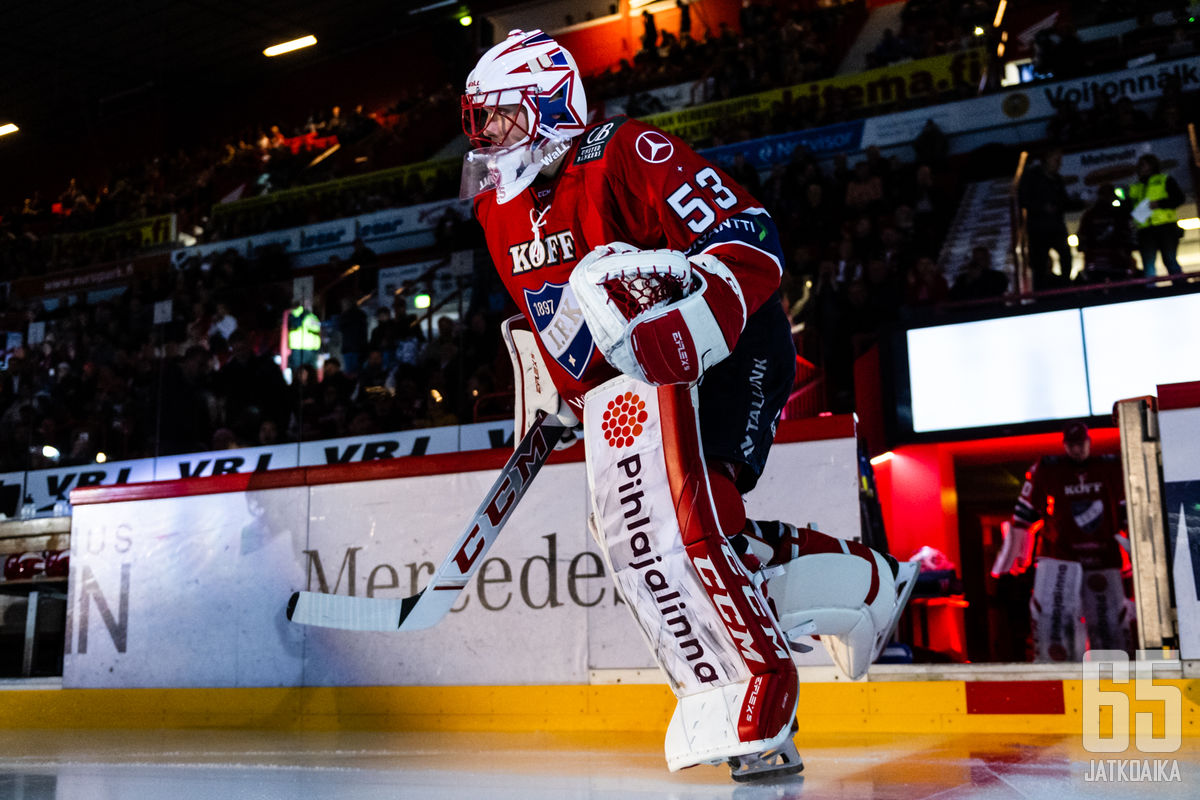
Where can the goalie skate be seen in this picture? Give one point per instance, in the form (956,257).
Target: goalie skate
(775,762)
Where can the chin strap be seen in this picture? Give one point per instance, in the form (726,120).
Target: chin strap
(508,170)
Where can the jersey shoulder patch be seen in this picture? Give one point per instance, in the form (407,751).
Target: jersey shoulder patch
(595,139)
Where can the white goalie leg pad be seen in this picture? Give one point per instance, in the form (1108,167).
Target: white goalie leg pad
(851,603)
(1104,610)
(703,731)
(847,593)
(1054,608)
(854,652)
(535,390)
(709,630)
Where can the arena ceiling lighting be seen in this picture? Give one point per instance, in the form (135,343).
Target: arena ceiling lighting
(8,128)
(432,6)
(287,47)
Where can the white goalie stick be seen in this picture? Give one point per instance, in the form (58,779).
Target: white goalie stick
(427,607)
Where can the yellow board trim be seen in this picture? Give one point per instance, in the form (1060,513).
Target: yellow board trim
(884,707)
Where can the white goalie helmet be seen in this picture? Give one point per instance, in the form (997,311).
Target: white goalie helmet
(533,86)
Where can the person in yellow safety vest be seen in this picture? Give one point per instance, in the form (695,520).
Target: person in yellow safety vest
(1158,232)
(304,337)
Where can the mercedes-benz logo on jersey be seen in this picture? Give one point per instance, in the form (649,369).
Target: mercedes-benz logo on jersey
(559,321)
(654,147)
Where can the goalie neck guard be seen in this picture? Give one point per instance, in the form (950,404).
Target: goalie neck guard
(527,92)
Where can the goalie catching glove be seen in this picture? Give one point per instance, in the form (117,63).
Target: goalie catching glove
(658,315)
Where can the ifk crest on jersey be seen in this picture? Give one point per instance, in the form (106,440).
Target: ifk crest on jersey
(559,321)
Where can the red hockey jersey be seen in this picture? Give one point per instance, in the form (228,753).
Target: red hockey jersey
(622,180)
(1082,503)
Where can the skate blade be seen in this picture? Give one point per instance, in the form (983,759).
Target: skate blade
(779,762)
(741,772)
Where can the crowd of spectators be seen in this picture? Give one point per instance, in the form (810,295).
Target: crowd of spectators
(46,236)
(930,28)
(1117,119)
(1163,31)
(862,239)
(778,44)
(105,379)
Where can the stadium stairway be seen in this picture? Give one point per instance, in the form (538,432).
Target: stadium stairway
(984,219)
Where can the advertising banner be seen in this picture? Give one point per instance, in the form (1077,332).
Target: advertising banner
(460,264)
(190,590)
(896,83)
(12,485)
(88,278)
(675,96)
(425,171)
(94,278)
(416,442)
(226,462)
(288,240)
(392,279)
(186,591)
(143,233)
(1033,103)
(396,223)
(1085,171)
(1179,431)
(210,250)
(47,487)
(771,150)
(522,620)
(326,236)
(383,231)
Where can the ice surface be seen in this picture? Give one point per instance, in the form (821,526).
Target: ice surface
(270,765)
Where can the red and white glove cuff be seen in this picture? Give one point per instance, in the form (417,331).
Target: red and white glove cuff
(672,343)
(678,343)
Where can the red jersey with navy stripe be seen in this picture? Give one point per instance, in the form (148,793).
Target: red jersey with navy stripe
(622,180)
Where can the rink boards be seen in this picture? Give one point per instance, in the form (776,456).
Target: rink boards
(183,584)
(177,592)
(887,706)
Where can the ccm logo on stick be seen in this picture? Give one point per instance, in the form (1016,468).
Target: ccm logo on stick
(501,503)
